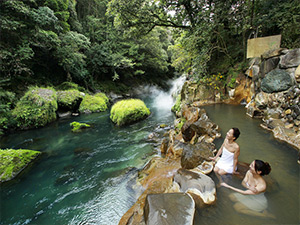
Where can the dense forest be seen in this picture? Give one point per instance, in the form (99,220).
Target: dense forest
(112,45)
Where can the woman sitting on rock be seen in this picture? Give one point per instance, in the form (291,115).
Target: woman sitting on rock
(252,201)
(230,151)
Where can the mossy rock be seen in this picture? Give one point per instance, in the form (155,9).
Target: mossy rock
(94,103)
(14,161)
(69,99)
(36,108)
(128,111)
(77,127)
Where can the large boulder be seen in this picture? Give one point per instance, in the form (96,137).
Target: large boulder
(36,108)
(197,123)
(169,208)
(194,155)
(291,59)
(200,186)
(14,161)
(94,103)
(128,111)
(268,65)
(193,92)
(69,99)
(275,81)
(156,177)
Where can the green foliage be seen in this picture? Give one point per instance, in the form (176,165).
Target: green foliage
(285,16)
(67,85)
(36,108)
(96,103)
(128,111)
(215,81)
(90,42)
(71,55)
(177,106)
(180,124)
(7,102)
(14,161)
(78,127)
(60,8)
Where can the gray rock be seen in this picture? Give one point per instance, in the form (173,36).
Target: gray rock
(261,100)
(194,155)
(169,208)
(291,59)
(269,65)
(200,186)
(275,81)
(272,53)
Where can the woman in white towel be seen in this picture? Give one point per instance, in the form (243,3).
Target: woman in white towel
(252,201)
(230,151)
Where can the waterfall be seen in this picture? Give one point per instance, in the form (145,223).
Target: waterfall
(165,100)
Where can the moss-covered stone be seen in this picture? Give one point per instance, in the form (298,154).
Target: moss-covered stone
(128,111)
(102,95)
(14,161)
(77,127)
(36,108)
(69,99)
(94,103)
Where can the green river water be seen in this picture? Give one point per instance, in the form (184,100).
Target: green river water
(90,177)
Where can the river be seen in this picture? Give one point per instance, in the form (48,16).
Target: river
(89,177)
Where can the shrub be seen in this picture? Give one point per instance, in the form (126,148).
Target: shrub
(176,107)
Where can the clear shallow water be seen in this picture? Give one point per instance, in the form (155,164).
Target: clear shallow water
(82,178)
(89,178)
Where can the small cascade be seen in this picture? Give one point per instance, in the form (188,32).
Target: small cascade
(165,100)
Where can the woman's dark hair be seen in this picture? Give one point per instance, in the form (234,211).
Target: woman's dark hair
(262,166)
(236,132)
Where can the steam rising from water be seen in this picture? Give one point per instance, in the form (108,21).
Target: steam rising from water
(163,100)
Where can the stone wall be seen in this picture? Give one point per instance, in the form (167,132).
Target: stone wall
(276,84)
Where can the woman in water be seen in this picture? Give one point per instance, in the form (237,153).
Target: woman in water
(252,201)
(230,151)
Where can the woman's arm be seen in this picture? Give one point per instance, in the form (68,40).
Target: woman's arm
(235,159)
(244,192)
(246,179)
(219,152)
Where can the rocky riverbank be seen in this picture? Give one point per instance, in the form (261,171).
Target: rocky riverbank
(180,171)
(269,89)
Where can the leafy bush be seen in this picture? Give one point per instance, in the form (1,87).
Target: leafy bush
(7,100)
(176,107)
(214,81)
